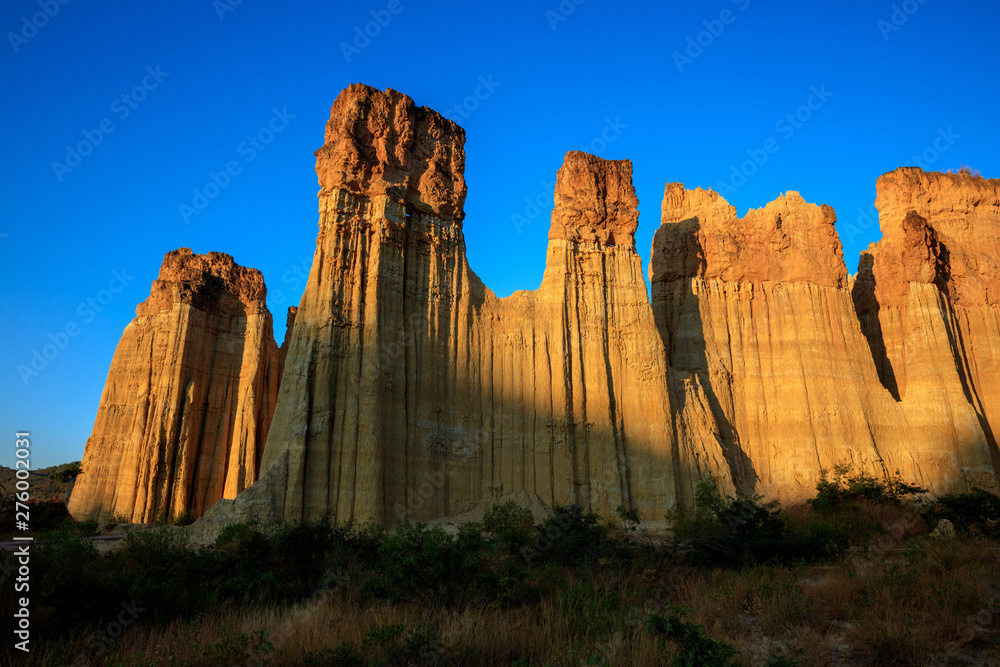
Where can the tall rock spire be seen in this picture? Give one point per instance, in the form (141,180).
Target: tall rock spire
(411,390)
(189,396)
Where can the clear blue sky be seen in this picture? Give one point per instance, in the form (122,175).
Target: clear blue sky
(556,85)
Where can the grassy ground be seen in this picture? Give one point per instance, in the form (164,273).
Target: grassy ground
(855,579)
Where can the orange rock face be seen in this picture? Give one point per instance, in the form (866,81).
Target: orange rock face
(411,390)
(595,201)
(789,241)
(189,397)
(761,310)
(928,296)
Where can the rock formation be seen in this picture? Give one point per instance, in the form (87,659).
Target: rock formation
(761,309)
(929,299)
(411,391)
(289,324)
(188,401)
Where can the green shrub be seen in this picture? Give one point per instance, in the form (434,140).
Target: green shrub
(510,526)
(846,488)
(569,537)
(978,510)
(416,562)
(733,531)
(66,473)
(727,530)
(344,654)
(185,518)
(70,585)
(87,528)
(158,565)
(695,647)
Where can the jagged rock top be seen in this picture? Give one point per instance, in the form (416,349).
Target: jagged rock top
(289,326)
(212,283)
(938,228)
(382,143)
(595,201)
(789,240)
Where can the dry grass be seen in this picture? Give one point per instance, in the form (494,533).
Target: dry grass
(937,602)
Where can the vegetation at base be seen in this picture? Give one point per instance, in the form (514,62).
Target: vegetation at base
(739,581)
(975,512)
(66,473)
(695,647)
(846,489)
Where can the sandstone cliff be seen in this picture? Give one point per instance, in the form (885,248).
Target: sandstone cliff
(411,390)
(760,308)
(188,400)
(928,298)
(408,389)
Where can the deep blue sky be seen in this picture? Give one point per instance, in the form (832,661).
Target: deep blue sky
(118,210)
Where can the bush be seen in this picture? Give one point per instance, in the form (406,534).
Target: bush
(416,562)
(847,488)
(736,531)
(569,537)
(511,527)
(695,647)
(66,473)
(185,518)
(726,530)
(978,510)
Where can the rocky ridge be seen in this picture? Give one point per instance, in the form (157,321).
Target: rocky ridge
(187,405)
(410,390)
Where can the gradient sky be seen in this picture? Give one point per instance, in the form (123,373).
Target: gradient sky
(561,76)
